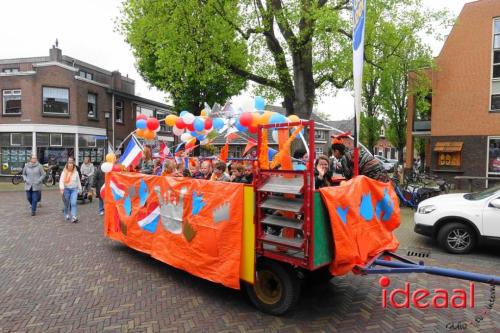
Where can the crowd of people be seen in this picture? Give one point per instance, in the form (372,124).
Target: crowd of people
(341,161)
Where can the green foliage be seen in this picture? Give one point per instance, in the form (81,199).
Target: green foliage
(370,128)
(206,50)
(176,44)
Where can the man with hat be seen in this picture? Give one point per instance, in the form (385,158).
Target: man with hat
(368,165)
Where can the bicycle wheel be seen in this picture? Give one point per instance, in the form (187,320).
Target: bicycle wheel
(47,180)
(17,179)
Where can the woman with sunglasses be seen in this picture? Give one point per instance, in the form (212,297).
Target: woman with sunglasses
(70,186)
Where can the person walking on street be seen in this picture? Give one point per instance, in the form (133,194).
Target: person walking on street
(70,186)
(87,169)
(98,183)
(33,175)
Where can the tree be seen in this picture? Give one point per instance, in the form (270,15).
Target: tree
(171,41)
(292,49)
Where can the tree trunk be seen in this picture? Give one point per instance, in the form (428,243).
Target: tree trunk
(303,82)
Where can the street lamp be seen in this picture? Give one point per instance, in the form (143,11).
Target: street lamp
(107,115)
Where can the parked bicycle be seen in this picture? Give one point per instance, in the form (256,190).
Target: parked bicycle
(17,178)
(410,195)
(50,178)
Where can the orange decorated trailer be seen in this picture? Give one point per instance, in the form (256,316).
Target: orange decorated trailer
(267,237)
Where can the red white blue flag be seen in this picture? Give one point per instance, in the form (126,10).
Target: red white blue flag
(132,153)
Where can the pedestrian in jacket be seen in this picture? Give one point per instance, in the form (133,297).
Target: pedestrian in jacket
(33,175)
(98,183)
(70,186)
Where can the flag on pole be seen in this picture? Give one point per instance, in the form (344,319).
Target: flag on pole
(132,153)
(358,41)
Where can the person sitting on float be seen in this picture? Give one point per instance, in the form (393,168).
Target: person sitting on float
(219,174)
(322,172)
(206,170)
(368,165)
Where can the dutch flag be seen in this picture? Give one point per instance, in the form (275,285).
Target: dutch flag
(117,190)
(149,220)
(132,153)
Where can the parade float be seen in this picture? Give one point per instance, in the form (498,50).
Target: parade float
(267,237)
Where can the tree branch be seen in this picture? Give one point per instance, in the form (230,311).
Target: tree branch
(330,78)
(285,28)
(256,78)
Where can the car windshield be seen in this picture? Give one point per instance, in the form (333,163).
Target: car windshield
(483,194)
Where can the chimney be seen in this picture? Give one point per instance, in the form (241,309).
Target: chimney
(116,80)
(55,54)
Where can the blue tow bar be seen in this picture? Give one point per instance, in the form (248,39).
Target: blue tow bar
(407,266)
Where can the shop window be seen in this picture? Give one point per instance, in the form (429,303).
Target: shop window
(11,102)
(55,101)
(42,139)
(319,151)
(68,140)
(494,156)
(86,141)
(55,140)
(119,112)
(449,154)
(16,139)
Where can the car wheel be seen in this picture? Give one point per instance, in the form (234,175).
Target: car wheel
(457,238)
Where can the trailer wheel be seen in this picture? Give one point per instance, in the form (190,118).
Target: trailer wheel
(276,289)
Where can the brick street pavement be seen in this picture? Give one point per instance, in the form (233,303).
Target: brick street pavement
(60,277)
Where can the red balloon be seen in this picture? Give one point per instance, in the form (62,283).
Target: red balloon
(190,126)
(179,123)
(246,119)
(141,116)
(208,123)
(153,124)
(117,167)
(252,129)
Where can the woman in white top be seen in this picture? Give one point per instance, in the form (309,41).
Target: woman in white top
(70,186)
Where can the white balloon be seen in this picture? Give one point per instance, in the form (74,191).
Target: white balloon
(186,137)
(177,131)
(188,118)
(275,136)
(106,167)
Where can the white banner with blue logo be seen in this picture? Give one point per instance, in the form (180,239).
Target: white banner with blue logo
(358,43)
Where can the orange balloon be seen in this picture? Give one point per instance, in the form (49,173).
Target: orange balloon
(140,133)
(149,135)
(255,119)
(293,118)
(264,118)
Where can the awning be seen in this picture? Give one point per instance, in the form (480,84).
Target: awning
(449,147)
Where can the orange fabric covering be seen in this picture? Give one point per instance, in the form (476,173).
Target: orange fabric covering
(363,213)
(194,225)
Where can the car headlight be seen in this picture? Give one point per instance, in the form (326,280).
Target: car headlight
(426,209)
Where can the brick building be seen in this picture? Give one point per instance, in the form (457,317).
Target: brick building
(463,129)
(61,106)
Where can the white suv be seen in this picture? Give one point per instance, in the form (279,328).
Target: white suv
(459,221)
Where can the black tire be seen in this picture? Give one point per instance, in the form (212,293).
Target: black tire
(276,289)
(457,238)
(16,180)
(47,181)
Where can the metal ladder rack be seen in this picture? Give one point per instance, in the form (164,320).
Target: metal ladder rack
(283,207)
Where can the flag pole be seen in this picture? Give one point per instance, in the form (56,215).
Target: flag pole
(358,36)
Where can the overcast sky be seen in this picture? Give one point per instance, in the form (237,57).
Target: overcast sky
(85,30)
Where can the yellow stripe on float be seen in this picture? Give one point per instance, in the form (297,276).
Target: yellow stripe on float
(247,268)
